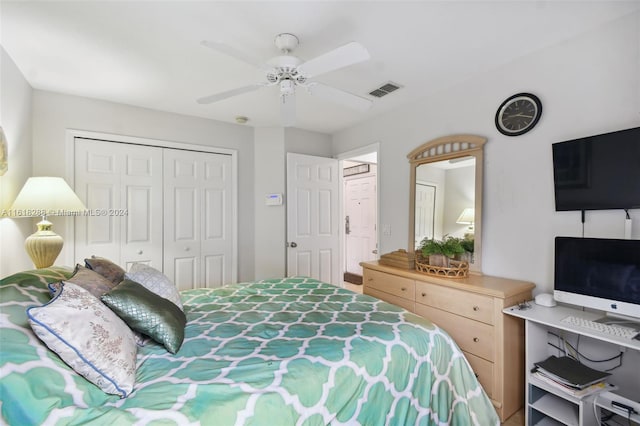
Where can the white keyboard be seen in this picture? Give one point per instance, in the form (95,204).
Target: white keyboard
(612,330)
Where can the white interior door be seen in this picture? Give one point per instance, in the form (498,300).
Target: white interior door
(121,185)
(360,232)
(313,217)
(425,212)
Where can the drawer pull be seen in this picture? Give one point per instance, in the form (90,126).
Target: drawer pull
(370,279)
(403,289)
(424,294)
(475,339)
(476,308)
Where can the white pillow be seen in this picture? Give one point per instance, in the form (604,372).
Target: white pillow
(155,281)
(89,337)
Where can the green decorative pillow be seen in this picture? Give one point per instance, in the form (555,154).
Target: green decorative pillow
(106,268)
(91,281)
(148,313)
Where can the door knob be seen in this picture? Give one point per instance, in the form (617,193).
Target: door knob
(140,252)
(293,244)
(187,248)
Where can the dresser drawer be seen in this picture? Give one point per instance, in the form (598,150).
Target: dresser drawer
(470,305)
(483,370)
(392,284)
(409,305)
(472,336)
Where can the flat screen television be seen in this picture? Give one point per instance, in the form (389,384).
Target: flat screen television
(598,273)
(598,172)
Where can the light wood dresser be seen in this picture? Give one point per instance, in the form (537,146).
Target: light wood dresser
(470,310)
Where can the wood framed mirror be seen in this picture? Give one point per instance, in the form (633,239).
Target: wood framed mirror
(446,192)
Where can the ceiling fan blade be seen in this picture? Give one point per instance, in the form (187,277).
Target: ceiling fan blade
(339,96)
(236,53)
(288,110)
(349,54)
(229,93)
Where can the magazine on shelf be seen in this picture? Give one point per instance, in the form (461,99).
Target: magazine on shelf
(570,372)
(578,393)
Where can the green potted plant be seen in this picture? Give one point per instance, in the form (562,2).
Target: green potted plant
(439,252)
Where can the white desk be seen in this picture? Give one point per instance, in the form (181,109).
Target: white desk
(544,404)
(552,317)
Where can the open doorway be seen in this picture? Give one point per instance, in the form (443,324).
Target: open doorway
(359,236)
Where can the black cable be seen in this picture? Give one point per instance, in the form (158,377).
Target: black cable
(619,356)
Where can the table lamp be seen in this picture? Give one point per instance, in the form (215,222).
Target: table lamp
(45,196)
(467,217)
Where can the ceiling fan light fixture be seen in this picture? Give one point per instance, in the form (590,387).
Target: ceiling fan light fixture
(241,119)
(287,87)
(286,42)
(288,71)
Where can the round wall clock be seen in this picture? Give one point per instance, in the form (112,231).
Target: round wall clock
(518,114)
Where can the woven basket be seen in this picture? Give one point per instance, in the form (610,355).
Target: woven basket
(456,269)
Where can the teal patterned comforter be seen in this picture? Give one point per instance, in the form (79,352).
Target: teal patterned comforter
(293,351)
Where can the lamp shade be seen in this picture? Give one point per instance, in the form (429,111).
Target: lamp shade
(467,216)
(43,196)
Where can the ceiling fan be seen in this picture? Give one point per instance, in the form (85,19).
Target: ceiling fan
(288,72)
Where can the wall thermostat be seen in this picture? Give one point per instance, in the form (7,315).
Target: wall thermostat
(273,200)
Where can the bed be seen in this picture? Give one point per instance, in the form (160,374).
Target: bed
(291,351)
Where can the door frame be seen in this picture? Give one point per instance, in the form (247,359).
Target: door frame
(69,172)
(342,157)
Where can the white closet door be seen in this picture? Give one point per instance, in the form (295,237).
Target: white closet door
(217,211)
(142,198)
(197,219)
(121,185)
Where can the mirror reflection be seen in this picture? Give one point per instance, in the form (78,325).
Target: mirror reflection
(445,199)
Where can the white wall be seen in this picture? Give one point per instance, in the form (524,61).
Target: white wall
(270,225)
(53,113)
(307,142)
(15,119)
(459,196)
(588,85)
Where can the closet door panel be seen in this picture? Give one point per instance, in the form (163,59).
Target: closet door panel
(100,229)
(121,184)
(168,208)
(185,209)
(217,239)
(214,271)
(185,271)
(142,202)
(97,184)
(182,216)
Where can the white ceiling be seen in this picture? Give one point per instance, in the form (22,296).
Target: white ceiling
(148,53)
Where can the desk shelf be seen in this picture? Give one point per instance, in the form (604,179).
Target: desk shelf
(546,405)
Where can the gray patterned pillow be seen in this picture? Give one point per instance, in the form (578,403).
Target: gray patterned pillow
(91,281)
(106,268)
(89,337)
(156,281)
(148,313)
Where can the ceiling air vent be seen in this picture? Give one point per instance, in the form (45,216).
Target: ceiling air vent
(385,89)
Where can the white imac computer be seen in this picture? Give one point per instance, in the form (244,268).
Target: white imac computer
(598,273)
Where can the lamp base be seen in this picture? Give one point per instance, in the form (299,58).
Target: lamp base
(43,246)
